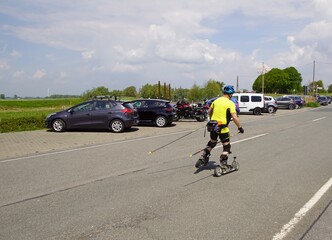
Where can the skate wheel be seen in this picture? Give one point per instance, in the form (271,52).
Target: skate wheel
(235,165)
(198,163)
(218,171)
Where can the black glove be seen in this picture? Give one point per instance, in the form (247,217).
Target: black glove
(241,130)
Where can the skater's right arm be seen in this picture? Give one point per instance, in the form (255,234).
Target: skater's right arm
(237,122)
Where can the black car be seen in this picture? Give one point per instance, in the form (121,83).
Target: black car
(329,99)
(94,114)
(299,101)
(322,100)
(285,102)
(154,111)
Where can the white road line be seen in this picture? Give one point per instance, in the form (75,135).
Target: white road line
(318,119)
(246,139)
(300,214)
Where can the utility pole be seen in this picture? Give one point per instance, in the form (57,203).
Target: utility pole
(313,78)
(263,78)
(237,83)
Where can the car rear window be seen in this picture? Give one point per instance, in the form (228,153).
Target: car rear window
(128,105)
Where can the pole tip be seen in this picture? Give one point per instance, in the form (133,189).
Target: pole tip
(150,152)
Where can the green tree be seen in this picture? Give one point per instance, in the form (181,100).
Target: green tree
(295,78)
(129,92)
(280,81)
(329,89)
(212,88)
(116,93)
(2,96)
(151,91)
(180,93)
(99,91)
(195,93)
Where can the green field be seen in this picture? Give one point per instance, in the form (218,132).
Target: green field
(24,115)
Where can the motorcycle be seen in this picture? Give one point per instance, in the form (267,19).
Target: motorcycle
(186,111)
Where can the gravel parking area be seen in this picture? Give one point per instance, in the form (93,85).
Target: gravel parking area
(18,144)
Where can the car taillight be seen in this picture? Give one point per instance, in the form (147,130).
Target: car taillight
(169,109)
(127,110)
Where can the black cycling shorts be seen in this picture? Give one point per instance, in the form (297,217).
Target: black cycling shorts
(224,137)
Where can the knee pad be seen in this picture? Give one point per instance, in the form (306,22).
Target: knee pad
(227,148)
(210,146)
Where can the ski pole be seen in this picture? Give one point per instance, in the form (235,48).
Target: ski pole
(174,140)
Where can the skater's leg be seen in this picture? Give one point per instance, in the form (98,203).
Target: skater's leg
(204,158)
(226,148)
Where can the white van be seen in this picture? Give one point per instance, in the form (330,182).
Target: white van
(250,102)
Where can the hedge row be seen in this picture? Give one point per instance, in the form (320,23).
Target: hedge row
(22,124)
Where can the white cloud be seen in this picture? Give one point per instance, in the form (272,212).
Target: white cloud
(19,75)
(179,41)
(15,53)
(39,74)
(4,65)
(121,67)
(88,54)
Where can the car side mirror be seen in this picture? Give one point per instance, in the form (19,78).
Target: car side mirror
(71,110)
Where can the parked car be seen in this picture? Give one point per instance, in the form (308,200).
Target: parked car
(99,113)
(329,99)
(154,111)
(250,102)
(237,108)
(270,105)
(285,102)
(299,101)
(322,100)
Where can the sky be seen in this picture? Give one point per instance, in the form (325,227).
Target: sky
(71,46)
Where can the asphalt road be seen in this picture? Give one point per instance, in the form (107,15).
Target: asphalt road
(117,190)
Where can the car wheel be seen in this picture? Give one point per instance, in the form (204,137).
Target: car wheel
(161,121)
(257,111)
(270,109)
(291,106)
(58,125)
(176,118)
(117,126)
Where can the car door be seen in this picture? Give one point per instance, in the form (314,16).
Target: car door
(102,113)
(80,116)
(141,107)
(244,103)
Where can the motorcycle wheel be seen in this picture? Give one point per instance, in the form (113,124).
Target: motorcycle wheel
(200,118)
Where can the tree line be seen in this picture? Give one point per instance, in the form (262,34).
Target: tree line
(210,89)
(276,81)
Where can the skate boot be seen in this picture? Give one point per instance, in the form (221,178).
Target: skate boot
(203,160)
(223,161)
